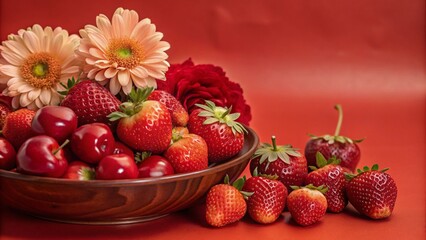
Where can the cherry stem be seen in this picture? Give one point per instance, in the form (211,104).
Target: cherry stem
(60,147)
(274,143)
(338,107)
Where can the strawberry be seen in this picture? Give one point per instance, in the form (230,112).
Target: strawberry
(284,161)
(268,199)
(177,111)
(187,153)
(144,125)
(225,204)
(223,134)
(341,147)
(331,175)
(372,192)
(90,101)
(17,126)
(4,111)
(307,205)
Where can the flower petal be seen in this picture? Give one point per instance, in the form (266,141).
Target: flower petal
(32,41)
(104,25)
(45,96)
(114,86)
(12,58)
(123,77)
(9,70)
(32,95)
(111,72)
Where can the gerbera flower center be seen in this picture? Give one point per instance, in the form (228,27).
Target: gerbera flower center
(126,52)
(41,70)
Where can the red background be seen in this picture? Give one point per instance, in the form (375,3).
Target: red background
(294,60)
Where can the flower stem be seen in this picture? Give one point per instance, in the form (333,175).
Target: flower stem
(339,109)
(274,143)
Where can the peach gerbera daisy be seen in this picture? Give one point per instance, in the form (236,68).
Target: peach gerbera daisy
(123,52)
(34,64)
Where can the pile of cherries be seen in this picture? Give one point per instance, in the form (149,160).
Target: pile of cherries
(62,149)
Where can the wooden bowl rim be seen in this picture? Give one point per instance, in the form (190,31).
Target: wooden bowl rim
(250,137)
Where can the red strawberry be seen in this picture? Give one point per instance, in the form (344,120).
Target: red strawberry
(17,126)
(307,205)
(372,192)
(177,111)
(187,153)
(331,175)
(223,134)
(90,101)
(145,125)
(284,161)
(4,111)
(268,199)
(341,147)
(225,204)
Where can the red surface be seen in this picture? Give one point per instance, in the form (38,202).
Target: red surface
(295,60)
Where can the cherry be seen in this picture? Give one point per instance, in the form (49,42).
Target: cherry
(91,142)
(122,148)
(117,166)
(155,166)
(41,155)
(79,170)
(7,155)
(55,121)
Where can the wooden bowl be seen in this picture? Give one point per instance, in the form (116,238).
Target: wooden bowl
(116,201)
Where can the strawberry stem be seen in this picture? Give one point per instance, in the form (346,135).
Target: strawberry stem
(274,144)
(61,147)
(338,107)
(225,113)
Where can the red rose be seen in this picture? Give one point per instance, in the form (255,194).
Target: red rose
(192,84)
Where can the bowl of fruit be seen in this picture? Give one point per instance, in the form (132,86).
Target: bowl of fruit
(114,163)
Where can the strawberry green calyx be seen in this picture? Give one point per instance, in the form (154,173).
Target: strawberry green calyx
(323,189)
(215,114)
(322,162)
(87,173)
(375,167)
(134,105)
(141,156)
(273,152)
(268,176)
(336,137)
(238,184)
(70,83)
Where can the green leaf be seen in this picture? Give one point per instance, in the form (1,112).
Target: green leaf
(320,160)
(313,168)
(366,168)
(226,179)
(210,121)
(375,167)
(239,183)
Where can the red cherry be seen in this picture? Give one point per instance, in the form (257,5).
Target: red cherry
(117,166)
(122,148)
(55,121)
(91,142)
(7,155)
(79,170)
(155,166)
(41,155)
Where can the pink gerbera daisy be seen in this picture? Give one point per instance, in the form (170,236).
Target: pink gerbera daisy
(124,52)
